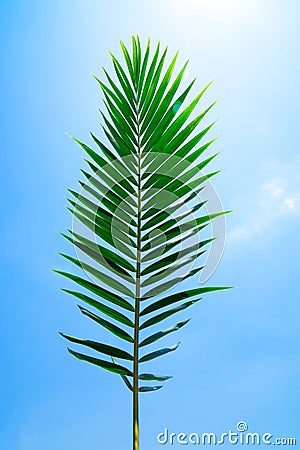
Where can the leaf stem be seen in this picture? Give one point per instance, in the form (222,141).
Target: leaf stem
(137,300)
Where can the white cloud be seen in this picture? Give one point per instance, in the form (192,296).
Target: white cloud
(271,204)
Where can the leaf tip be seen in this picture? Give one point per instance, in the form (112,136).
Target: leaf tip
(72,352)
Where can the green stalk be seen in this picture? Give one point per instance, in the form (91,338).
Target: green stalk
(137,302)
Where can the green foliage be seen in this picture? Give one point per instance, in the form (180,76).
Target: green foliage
(138,208)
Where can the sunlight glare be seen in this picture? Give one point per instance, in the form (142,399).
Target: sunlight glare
(221,9)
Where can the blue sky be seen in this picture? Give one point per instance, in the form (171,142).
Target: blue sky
(239,358)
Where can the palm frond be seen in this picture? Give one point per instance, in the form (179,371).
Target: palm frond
(138,208)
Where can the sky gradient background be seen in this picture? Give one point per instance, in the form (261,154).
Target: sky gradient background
(239,358)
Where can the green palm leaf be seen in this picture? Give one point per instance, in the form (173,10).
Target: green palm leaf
(114,329)
(149,388)
(157,353)
(115,368)
(151,377)
(102,348)
(136,213)
(160,334)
